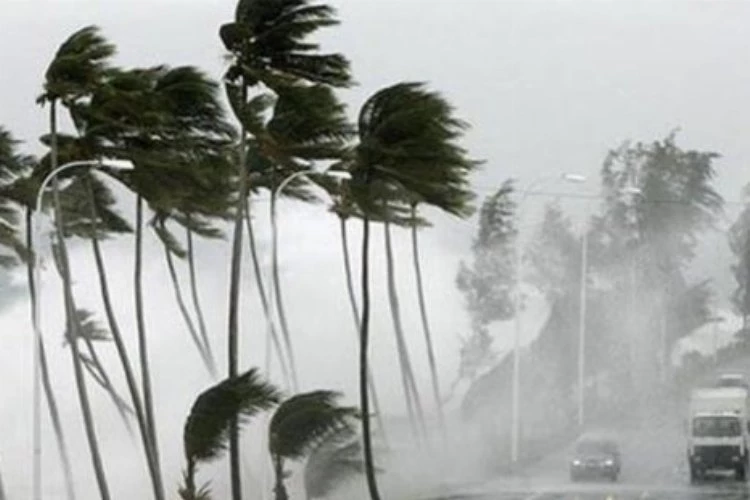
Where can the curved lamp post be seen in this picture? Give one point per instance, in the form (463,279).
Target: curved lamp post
(515,404)
(36,277)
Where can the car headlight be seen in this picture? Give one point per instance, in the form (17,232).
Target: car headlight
(576,462)
(609,462)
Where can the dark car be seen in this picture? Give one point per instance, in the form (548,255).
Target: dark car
(595,457)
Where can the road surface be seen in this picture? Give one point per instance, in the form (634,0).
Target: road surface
(654,467)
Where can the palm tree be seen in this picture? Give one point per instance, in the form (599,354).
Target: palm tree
(333,461)
(344,208)
(207,427)
(17,191)
(407,143)
(73,73)
(268,42)
(298,426)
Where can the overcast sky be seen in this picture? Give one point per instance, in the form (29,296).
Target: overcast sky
(548,87)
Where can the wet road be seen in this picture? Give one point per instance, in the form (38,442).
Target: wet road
(654,468)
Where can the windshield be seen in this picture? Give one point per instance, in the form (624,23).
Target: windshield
(596,447)
(716,427)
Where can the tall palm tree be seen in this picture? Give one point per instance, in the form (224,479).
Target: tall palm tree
(260,284)
(344,208)
(298,426)
(269,43)
(73,73)
(207,427)
(407,143)
(17,192)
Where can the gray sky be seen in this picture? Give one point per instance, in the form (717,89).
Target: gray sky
(548,86)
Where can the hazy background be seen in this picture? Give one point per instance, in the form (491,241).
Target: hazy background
(548,86)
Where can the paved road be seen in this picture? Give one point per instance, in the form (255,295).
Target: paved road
(654,468)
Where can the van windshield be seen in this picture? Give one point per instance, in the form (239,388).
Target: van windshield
(716,427)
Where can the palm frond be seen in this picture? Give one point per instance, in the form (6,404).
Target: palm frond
(207,427)
(78,65)
(408,139)
(303,420)
(269,42)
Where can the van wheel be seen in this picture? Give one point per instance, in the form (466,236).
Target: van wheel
(740,473)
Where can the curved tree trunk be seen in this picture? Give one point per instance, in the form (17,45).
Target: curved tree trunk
(234,298)
(413,403)
(425,322)
(264,298)
(207,362)
(357,323)
(364,338)
(278,296)
(72,323)
(148,402)
(54,413)
(196,301)
(122,353)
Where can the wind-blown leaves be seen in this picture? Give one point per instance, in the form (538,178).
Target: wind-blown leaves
(207,427)
(269,42)
(303,420)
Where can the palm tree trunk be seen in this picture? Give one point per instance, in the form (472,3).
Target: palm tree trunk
(277,293)
(44,368)
(425,322)
(196,300)
(263,297)
(234,297)
(279,489)
(185,314)
(364,337)
(413,403)
(357,325)
(122,353)
(70,313)
(148,402)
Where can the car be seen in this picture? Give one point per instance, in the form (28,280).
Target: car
(595,457)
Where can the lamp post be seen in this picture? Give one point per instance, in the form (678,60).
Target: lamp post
(36,318)
(515,404)
(334,174)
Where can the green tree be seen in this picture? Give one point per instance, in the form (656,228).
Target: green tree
(208,425)
(407,142)
(269,44)
(297,427)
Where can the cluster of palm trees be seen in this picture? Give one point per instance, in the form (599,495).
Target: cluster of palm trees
(194,171)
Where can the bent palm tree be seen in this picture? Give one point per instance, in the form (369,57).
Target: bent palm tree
(74,72)
(407,143)
(268,42)
(208,426)
(299,424)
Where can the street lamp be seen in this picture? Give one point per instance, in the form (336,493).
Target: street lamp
(333,174)
(515,404)
(36,318)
